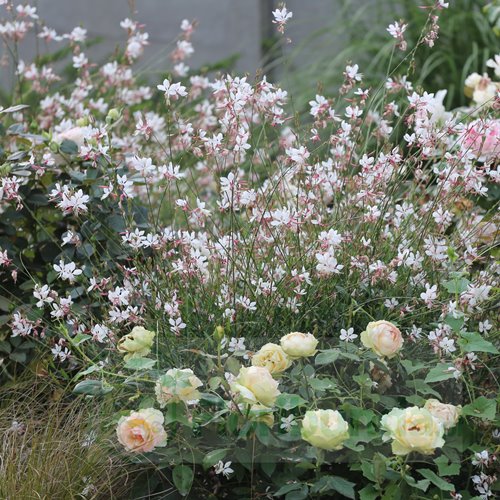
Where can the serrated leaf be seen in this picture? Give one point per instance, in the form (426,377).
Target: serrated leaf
(289,401)
(456,285)
(334,483)
(481,408)
(327,356)
(436,480)
(443,371)
(445,467)
(474,342)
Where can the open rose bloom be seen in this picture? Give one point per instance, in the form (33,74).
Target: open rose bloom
(413,429)
(383,338)
(142,431)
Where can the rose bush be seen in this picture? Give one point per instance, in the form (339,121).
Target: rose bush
(139,218)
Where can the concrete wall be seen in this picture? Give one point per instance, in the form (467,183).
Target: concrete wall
(226,27)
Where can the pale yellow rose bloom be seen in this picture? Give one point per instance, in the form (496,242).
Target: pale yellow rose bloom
(299,345)
(383,338)
(178,385)
(413,429)
(325,429)
(447,414)
(137,343)
(255,384)
(272,357)
(142,431)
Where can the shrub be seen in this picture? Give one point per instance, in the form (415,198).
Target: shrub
(157,242)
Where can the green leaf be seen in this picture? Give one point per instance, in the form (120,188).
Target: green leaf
(176,412)
(334,483)
(183,476)
(443,371)
(474,342)
(92,388)
(210,459)
(87,371)
(263,433)
(481,408)
(445,467)
(455,323)
(436,480)
(327,356)
(301,494)
(140,363)
(322,384)
(369,493)
(69,147)
(456,285)
(289,401)
(79,338)
(287,488)
(411,366)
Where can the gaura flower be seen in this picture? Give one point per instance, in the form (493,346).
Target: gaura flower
(413,429)
(383,338)
(272,357)
(299,345)
(255,384)
(177,385)
(142,431)
(137,343)
(447,414)
(325,429)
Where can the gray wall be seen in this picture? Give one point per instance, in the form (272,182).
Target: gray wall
(225,27)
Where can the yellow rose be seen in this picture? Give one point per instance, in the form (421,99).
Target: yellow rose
(325,429)
(142,431)
(413,429)
(256,385)
(272,357)
(299,345)
(177,385)
(447,414)
(137,343)
(382,337)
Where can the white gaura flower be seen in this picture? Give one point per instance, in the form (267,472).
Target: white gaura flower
(172,90)
(223,468)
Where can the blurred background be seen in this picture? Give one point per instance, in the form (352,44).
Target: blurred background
(238,36)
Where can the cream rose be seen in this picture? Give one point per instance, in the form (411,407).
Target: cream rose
(177,385)
(142,431)
(382,337)
(299,345)
(413,429)
(272,357)
(325,429)
(447,414)
(137,343)
(255,384)
(74,134)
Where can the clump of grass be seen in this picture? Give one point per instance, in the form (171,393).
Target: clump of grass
(52,447)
